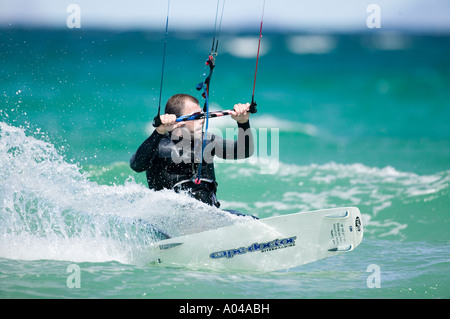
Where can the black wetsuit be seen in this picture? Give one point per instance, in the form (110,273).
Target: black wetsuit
(172,163)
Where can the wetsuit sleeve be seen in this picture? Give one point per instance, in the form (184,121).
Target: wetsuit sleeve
(146,153)
(241,148)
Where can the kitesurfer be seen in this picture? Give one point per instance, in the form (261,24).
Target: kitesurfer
(172,155)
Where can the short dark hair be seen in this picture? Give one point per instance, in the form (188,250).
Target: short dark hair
(176,103)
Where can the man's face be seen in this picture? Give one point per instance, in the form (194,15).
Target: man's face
(194,127)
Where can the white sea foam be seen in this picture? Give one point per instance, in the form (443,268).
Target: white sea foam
(380,193)
(50,210)
(246,47)
(389,41)
(311,44)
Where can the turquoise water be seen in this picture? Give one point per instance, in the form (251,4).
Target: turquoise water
(344,120)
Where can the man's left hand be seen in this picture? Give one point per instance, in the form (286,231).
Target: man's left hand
(240,113)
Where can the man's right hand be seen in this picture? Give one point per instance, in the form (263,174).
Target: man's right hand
(168,123)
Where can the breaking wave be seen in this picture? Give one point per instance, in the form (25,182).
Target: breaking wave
(51,210)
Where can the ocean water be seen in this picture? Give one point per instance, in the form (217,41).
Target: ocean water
(343,120)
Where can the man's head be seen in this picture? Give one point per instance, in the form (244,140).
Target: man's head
(176,104)
(184,104)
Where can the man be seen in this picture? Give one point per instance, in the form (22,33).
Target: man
(171,156)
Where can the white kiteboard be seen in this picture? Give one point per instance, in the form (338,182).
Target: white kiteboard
(268,244)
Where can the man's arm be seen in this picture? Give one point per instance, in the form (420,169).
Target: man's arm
(243,147)
(146,153)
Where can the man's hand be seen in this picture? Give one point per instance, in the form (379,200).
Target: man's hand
(168,123)
(240,113)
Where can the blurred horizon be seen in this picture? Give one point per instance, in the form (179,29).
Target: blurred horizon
(322,16)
